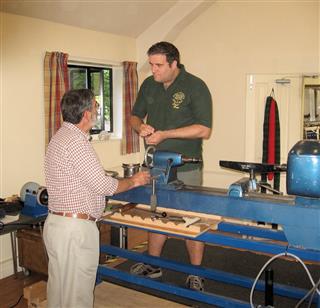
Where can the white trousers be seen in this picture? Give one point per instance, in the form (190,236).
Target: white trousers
(73,249)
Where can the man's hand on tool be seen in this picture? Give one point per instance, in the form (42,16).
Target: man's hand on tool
(138,179)
(141,178)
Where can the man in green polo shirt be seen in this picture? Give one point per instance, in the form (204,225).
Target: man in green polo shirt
(177,107)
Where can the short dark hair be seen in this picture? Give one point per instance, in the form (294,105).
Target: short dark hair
(167,49)
(74,103)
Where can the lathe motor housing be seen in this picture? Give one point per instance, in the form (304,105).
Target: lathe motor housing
(303,169)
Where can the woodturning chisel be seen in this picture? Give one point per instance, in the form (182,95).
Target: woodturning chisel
(153,197)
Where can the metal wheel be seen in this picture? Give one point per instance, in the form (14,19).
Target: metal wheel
(148,156)
(30,187)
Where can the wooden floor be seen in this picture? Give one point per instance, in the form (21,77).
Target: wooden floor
(111,295)
(106,294)
(11,289)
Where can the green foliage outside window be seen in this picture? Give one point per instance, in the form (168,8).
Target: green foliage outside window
(99,80)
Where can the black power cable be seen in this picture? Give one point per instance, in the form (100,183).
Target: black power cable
(16,304)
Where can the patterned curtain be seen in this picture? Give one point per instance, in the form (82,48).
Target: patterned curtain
(130,139)
(56,83)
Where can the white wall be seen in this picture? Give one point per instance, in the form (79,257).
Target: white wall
(318,38)
(233,39)
(23,46)
(25,42)
(223,45)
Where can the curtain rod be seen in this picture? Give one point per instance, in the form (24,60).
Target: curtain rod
(92,61)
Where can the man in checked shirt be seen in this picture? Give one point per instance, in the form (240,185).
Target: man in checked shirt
(77,186)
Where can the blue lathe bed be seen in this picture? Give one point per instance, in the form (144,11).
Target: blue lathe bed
(297,217)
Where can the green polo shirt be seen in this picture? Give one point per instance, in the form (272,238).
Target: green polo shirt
(185,102)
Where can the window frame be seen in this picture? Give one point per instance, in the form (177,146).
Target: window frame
(93,69)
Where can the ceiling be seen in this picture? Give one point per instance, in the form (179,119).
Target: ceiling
(121,17)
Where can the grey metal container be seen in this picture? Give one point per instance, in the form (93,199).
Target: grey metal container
(130,169)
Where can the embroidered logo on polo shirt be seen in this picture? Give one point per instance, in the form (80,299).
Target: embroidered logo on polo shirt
(177,99)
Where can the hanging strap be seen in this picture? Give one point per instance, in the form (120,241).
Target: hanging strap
(271,140)
(271,137)
(276,181)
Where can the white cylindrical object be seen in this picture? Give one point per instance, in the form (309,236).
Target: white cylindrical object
(312,109)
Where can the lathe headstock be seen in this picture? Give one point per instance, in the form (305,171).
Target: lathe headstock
(163,164)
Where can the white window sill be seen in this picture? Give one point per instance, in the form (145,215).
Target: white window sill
(101,138)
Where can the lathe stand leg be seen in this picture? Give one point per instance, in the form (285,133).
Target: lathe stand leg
(123,234)
(13,238)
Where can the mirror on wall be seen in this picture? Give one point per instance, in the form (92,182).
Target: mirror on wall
(311,107)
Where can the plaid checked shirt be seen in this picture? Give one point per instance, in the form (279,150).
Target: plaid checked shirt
(75,179)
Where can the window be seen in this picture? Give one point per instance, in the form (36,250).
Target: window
(99,80)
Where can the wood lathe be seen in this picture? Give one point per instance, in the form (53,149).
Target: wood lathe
(240,208)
